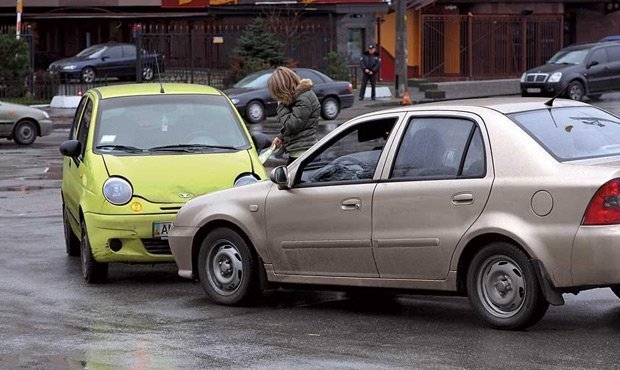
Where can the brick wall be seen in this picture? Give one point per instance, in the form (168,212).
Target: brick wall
(592,25)
(352,21)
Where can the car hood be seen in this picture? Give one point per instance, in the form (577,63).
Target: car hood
(71,60)
(178,178)
(229,203)
(235,92)
(23,109)
(550,68)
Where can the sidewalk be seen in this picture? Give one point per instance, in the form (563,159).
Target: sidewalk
(421,91)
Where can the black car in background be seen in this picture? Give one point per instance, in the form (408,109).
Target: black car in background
(105,61)
(576,71)
(253,101)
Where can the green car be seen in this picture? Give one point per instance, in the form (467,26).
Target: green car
(22,123)
(136,154)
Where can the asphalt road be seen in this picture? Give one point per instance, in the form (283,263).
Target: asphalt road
(146,317)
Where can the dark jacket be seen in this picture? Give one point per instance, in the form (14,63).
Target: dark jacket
(371,62)
(299,119)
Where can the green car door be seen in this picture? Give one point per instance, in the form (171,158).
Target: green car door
(74,168)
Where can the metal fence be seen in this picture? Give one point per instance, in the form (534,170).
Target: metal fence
(203,53)
(43,88)
(194,53)
(482,47)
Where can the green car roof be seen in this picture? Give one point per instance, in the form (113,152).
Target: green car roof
(116,91)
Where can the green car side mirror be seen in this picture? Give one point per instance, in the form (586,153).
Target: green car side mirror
(71,148)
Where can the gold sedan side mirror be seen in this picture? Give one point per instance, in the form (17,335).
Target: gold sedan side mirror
(279,176)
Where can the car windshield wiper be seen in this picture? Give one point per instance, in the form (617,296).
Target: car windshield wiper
(126,148)
(190,147)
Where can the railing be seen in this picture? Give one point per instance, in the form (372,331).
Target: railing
(480,46)
(203,53)
(190,54)
(42,87)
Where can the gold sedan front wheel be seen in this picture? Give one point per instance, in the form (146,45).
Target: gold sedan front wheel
(228,268)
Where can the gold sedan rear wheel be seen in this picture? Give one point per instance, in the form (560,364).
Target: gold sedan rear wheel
(503,288)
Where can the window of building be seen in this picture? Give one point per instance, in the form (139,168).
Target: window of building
(355,44)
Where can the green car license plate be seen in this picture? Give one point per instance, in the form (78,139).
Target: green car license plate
(161,229)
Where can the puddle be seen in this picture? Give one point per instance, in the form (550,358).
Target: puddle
(53,172)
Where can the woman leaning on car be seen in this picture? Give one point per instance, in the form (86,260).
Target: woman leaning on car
(298,112)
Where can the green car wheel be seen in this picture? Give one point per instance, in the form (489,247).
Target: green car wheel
(92,271)
(72,243)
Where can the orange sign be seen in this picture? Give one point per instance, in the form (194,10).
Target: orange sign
(184,3)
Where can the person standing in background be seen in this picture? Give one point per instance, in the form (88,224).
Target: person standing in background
(370,63)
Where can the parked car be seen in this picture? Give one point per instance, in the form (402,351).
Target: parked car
(576,71)
(511,202)
(610,38)
(105,61)
(134,157)
(22,123)
(253,101)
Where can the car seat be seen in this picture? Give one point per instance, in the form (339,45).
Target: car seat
(422,156)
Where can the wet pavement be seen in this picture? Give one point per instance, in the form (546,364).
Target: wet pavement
(146,317)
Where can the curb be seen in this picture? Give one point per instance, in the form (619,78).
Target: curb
(61,126)
(396,103)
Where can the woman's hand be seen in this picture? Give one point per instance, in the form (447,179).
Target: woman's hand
(277,142)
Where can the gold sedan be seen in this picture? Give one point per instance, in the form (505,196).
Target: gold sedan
(512,202)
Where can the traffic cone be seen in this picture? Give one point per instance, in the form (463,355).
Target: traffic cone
(406,99)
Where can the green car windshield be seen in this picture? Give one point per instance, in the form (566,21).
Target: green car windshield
(168,123)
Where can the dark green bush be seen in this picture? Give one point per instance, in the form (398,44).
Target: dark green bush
(337,67)
(14,64)
(257,49)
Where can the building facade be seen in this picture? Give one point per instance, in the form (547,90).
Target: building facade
(309,29)
(473,39)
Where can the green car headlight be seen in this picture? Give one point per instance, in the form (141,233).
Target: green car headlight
(117,191)
(246,179)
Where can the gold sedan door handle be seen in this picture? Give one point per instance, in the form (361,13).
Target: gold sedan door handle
(352,204)
(463,198)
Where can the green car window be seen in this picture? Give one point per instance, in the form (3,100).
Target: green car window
(84,126)
(182,123)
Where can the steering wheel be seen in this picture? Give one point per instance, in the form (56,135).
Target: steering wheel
(342,169)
